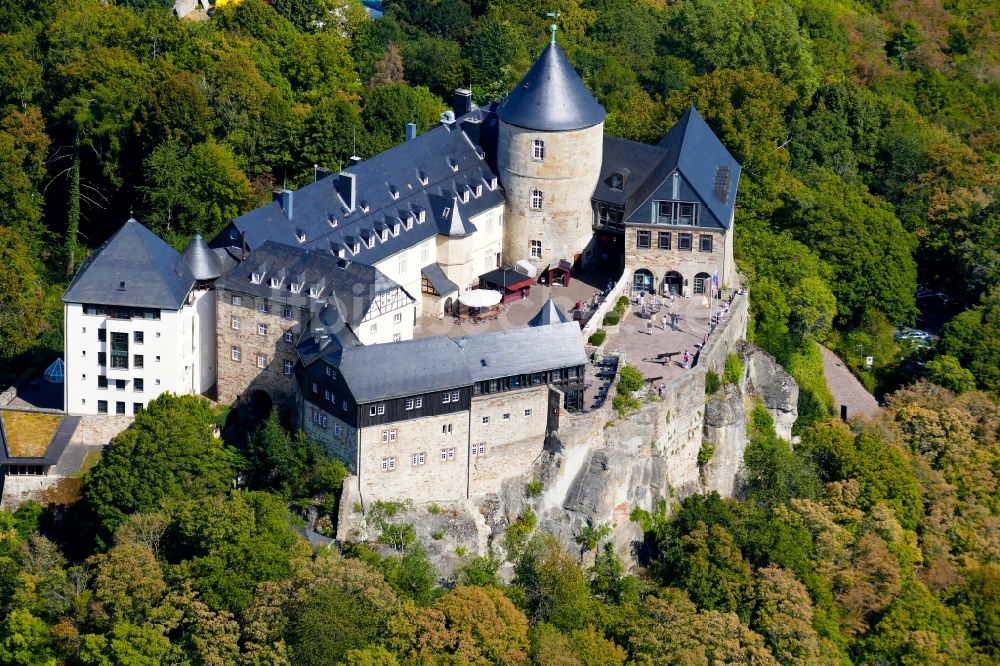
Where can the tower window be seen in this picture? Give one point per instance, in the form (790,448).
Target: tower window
(538,149)
(536,249)
(536,199)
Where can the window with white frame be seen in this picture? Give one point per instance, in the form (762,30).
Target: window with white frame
(237,300)
(287,367)
(446,429)
(343,405)
(536,249)
(402,266)
(261,329)
(261,360)
(455,396)
(338,430)
(448,454)
(396,337)
(446,398)
(376,410)
(235,323)
(506,417)
(235,354)
(536,199)
(289,336)
(538,149)
(324,420)
(326,394)
(425,253)
(287,312)
(418,458)
(527,412)
(315,387)
(373,328)
(390,436)
(388,464)
(263,307)
(479,449)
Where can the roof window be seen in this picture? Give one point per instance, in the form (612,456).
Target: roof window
(300,235)
(364,206)
(333,222)
(453,163)
(422,177)
(314,291)
(617,181)
(393,192)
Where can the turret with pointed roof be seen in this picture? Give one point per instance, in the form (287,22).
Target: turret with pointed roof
(549,314)
(551,97)
(203,262)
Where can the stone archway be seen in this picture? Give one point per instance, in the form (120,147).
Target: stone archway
(260,404)
(702,283)
(673,283)
(642,281)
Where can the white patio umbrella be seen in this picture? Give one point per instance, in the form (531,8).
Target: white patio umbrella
(480,298)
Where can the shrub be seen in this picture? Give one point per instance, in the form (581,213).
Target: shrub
(624,403)
(612,318)
(622,305)
(437,536)
(734,370)
(712,382)
(533,488)
(630,380)
(598,337)
(434,508)
(705,453)
(591,536)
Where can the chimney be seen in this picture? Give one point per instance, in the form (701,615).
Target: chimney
(354,159)
(347,189)
(462,102)
(411,131)
(284,199)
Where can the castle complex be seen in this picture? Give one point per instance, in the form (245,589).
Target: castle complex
(312,302)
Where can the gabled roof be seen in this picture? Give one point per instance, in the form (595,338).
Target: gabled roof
(549,314)
(439,281)
(351,286)
(204,263)
(691,148)
(551,97)
(391,186)
(133,268)
(425,365)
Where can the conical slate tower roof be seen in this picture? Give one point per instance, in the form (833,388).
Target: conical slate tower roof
(549,314)
(551,97)
(203,262)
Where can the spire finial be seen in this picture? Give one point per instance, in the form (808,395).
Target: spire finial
(554,27)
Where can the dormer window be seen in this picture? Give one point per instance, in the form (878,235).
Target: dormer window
(364,206)
(617,181)
(408,223)
(300,235)
(395,228)
(479,191)
(453,163)
(275,283)
(446,212)
(370,242)
(296,287)
(385,235)
(421,216)
(314,291)
(356,248)
(341,252)
(465,196)
(393,192)
(538,150)
(256,278)
(493,183)
(333,222)
(422,177)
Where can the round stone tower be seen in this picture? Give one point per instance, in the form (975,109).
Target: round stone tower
(549,150)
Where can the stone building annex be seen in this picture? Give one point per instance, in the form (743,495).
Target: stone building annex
(314,302)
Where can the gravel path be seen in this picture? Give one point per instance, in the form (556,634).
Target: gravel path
(846,388)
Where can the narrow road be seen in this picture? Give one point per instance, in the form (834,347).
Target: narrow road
(846,388)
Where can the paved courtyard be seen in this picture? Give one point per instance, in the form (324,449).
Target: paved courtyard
(642,344)
(516,314)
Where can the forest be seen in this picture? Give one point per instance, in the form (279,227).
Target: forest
(869,134)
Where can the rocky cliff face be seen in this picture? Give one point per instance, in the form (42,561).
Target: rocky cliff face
(599,467)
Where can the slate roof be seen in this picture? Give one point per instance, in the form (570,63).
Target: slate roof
(57,445)
(155,275)
(436,276)
(691,148)
(350,286)
(549,314)
(204,264)
(551,97)
(391,186)
(412,367)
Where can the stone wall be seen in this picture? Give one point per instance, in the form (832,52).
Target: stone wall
(7,396)
(237,378)
(686,262)
(512,445)
(566,177)
(732,328)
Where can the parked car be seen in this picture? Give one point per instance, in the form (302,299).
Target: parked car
(922,336)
